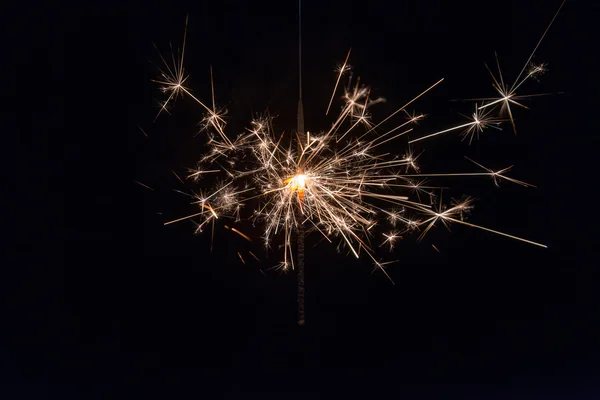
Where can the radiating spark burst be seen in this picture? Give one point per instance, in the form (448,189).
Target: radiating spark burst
(338,183)
(480,121)
(390,239)
(500,106)
(508,93)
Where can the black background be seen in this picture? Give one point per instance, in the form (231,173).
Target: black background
(103,301)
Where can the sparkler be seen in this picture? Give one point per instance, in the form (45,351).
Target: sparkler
(337,183)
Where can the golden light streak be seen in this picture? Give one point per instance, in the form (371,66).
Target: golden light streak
(146,186)
(406,105)
(183,218)
(177,176)
(444,131)
(337,82)
(241,258)
(142,131)
(241,234)
(254,255)
(496,232)
(539,42)
(195,174)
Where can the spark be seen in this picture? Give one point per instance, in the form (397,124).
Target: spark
(146,186)
(390,239)
(495,175)
(239,233)
(342,69)
(177,176)
(199,172)
(145,134)
(254,255)
(172,75)
(480,121)
(451,214)
(339,182)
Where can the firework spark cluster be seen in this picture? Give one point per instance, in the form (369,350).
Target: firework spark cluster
(340,183)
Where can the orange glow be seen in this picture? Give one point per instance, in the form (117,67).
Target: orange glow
(297,183)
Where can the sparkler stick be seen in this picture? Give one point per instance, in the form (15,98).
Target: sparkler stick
(301,139)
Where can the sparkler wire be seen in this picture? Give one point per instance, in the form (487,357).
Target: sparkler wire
(301,139)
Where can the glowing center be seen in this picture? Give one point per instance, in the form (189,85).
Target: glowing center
(298,182)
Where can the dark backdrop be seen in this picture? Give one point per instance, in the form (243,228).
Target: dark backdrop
(103,301)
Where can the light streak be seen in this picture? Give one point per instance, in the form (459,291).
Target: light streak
(145,134)
(146,186)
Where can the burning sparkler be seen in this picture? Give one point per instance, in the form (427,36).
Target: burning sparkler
(336,183)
